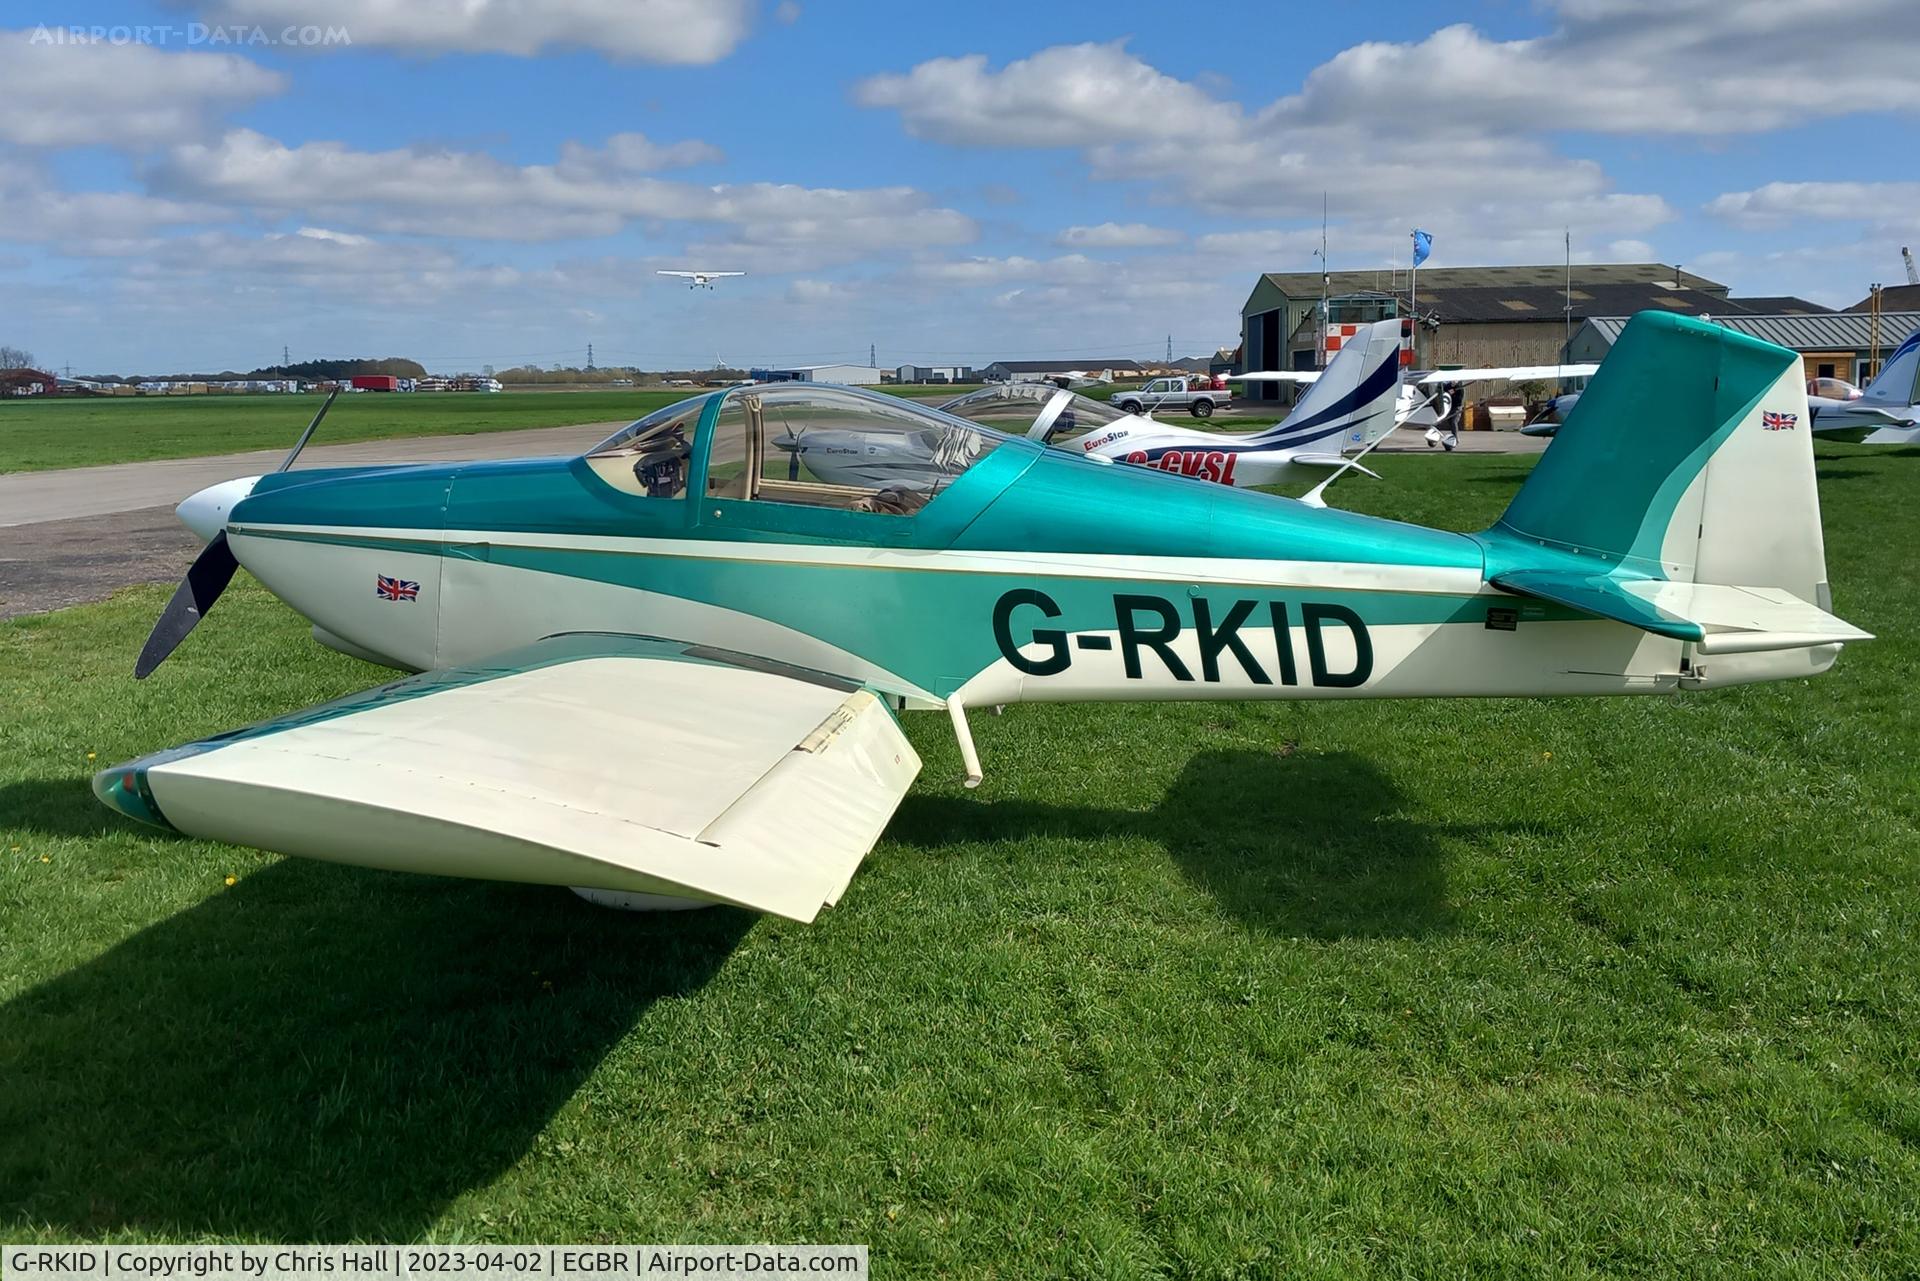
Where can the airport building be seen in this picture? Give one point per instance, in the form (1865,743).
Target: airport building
(27,382)
(857,375)
(1842,344)
(934,374)
(1471,316)
(1892,298)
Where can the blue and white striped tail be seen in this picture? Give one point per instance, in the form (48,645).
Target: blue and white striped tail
(1353,403)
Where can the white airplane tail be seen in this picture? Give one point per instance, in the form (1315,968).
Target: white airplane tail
(1352,404)
(1680,498)
(1898,382)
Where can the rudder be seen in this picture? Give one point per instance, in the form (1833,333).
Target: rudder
(1689,458)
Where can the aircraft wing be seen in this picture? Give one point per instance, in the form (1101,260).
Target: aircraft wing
(1276,376)
(688,274)
(1719,619)
(1508,373)
(602,761)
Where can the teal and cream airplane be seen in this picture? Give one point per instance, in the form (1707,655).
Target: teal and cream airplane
(669,673)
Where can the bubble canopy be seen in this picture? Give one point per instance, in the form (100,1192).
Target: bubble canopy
(807,443)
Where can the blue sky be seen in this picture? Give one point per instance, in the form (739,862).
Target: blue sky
(488,183)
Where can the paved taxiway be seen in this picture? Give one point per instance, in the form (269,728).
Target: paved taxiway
(83,533)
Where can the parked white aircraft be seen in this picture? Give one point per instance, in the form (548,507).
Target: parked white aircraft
(698,278)
(1428,399)
(1889,408)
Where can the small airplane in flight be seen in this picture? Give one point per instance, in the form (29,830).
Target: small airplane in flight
(1353,402)
(668,675)
(1887,410)
(696,279)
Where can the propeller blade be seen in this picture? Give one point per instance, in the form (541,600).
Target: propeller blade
(793,459)
(306,435)
(209,575)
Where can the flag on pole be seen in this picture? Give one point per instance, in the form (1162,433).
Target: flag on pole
(1422,246)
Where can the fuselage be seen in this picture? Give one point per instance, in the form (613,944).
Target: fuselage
(1034,575)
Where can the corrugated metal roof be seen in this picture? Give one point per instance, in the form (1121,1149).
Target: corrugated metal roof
(1303,284)
(1838,331)
(1548,303)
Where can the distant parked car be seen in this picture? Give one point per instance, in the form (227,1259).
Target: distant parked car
(1197,395)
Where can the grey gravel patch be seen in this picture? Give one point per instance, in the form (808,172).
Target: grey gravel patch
(55,563)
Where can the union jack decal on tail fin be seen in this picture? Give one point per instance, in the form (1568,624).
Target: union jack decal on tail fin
(1770,421)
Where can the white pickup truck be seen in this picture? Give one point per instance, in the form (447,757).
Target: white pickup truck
(1196,395)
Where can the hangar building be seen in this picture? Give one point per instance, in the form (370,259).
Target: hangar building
(934,374)
(1472,315)
(858,375)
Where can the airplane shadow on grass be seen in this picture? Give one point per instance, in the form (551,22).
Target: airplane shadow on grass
(63,807)
(321,1053)
(1299,844)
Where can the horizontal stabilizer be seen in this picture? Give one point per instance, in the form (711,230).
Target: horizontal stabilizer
(1507,373)
(1719,619)
(1276,376)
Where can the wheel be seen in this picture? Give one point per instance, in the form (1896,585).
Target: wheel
(1129,406)
(1201,409)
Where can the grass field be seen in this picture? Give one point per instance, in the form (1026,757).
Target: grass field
(1398,989)
(37,435)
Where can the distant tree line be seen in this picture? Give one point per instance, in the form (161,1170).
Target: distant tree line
(305,370)
(401,367)
(602,375)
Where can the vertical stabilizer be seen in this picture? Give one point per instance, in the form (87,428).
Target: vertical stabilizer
(1352,404)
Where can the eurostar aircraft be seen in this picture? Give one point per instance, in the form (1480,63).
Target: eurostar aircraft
(1352,404)
(1887,411)
(666,674)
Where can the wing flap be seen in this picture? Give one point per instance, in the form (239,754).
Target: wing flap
(1717,618)
(607,762)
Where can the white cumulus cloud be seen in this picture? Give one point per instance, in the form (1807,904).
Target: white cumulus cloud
(57,94)
(692,32)
(461,193)
(1065,96)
